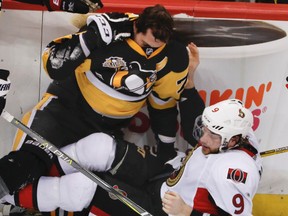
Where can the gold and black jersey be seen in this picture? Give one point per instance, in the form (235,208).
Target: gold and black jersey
(116,80)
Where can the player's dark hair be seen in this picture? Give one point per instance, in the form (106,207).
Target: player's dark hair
(158,19)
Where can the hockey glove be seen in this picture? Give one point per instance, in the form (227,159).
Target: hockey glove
(112,26)
(73,6)
(4,87)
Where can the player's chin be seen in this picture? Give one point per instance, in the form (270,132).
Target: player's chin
(206,150)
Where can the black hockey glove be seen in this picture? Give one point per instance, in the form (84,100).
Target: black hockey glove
(73,6)
(109,27)
(4,87)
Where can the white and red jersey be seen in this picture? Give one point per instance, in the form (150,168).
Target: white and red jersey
(230,178)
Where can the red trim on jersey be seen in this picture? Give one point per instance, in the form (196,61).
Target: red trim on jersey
(249,152)
(26,197)
(54,171)
(98,212)
(203,204)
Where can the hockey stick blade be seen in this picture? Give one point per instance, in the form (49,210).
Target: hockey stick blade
(44,144)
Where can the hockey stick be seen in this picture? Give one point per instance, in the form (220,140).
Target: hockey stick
(44,144)
(274,151)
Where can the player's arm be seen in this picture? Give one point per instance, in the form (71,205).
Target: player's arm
(173,204)
(163,113)
(233,183)
(166,92)
(63,55)
(191,104)
(164,120)
(164,126)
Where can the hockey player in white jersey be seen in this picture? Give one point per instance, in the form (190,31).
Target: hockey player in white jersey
(219,178)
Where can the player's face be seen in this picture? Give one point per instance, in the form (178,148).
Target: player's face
(148,40)
(210,141)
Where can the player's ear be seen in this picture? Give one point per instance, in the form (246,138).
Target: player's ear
(233,141)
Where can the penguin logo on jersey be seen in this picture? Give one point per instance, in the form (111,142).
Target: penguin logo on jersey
(114,62)
(134,79)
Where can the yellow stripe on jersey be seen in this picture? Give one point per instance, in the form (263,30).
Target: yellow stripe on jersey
(25,120)
(19,133)
(168,89)
(160,65)
(102,102)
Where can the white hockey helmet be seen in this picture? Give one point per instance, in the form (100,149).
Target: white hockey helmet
(227,118)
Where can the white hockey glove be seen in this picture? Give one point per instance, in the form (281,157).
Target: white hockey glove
(113,26)
(102,29)
(4,87)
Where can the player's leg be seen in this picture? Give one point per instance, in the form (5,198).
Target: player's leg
(109,204)
(29,161)
(101,152)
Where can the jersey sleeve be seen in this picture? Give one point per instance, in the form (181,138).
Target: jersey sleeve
(191,106)
(233,183)
(62,56)
(163,100)
(171,79)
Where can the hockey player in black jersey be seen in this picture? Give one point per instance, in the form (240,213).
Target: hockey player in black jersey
(100,83)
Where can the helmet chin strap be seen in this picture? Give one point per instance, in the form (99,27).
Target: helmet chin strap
(224,146)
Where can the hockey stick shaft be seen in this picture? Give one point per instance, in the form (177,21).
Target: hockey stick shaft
(274,151)
(44,144)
